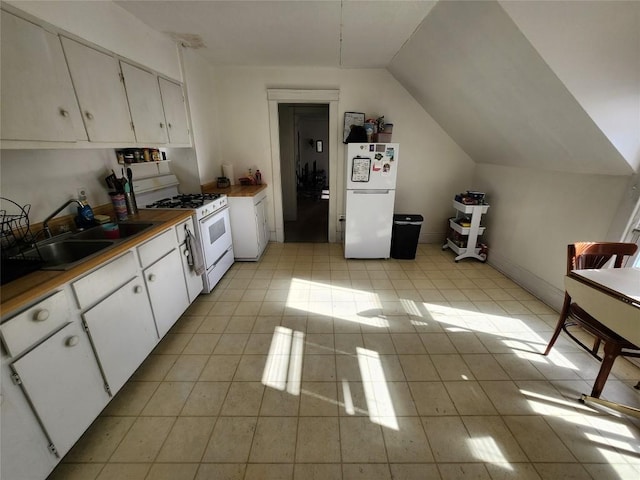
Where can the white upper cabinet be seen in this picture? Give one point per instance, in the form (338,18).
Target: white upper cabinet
(174,111)
(101,94)
(37,97)
(145,104)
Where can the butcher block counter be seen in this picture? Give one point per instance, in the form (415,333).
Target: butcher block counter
(17,294)
(234,190)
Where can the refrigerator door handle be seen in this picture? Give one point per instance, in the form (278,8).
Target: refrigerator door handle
(371,192)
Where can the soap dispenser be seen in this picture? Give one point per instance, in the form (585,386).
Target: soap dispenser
(85,218)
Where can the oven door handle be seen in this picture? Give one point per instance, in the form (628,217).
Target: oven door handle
(221,256)
(213,215)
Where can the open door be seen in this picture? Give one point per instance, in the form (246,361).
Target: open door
(304,167)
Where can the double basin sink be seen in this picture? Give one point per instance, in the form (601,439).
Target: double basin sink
(70,249)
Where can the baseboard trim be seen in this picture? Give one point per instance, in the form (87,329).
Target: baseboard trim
(433,238)
(538,287)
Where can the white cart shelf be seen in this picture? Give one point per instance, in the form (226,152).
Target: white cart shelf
(472,232)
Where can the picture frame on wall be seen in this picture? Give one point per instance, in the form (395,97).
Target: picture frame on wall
(351,119)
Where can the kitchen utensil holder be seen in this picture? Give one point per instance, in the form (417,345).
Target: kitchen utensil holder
(119,205)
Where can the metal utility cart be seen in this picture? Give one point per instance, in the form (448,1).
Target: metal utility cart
(464,240)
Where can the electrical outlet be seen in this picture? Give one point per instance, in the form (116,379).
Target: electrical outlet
(81,192)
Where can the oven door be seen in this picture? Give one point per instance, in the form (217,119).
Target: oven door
(215,235)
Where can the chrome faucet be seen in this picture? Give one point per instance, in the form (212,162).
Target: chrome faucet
(45,224)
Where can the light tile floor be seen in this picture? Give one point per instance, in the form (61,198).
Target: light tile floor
(307,366)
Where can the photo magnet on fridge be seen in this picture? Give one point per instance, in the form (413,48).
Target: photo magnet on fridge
(390,153)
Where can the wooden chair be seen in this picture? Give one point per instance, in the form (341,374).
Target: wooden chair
(585,255)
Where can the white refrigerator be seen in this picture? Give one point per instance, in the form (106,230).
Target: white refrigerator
(371,190)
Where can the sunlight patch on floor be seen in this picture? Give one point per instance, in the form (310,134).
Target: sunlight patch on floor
(487,450)
(376,391)
(283,369)
(341,303)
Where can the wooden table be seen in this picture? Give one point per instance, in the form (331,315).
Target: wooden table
(612,296)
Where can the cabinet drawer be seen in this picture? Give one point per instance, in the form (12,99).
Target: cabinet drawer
(34,324)
(180,230)
(105,280)
(156,248)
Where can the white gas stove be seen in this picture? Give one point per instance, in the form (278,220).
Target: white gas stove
(210,215)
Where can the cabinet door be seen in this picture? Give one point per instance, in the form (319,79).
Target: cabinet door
(175,112)
(37,97)
(62,380)
(167,290)
(145,105)
(261,221)
(122,332)
(100,91)
(244,231)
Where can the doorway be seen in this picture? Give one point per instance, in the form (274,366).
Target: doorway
(276,96)
(304,166)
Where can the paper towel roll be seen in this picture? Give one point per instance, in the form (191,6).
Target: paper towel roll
(227,171)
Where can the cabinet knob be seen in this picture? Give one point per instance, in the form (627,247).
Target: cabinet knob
(72,341)
(64,112)
(152,277)
(137,289)
(161,125)
(186,252)
(169,125)
(41,315)
(89,115)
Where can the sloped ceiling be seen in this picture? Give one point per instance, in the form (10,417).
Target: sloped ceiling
(332,33)
(475,72)
(540,84)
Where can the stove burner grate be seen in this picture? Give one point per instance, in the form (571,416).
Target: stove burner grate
(186,200)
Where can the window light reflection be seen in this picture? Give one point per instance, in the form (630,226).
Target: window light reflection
(283,369)
(487,450)
(376,391)
(410,307)
(341,303)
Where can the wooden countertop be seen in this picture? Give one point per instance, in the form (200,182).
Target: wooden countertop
(19,293)
(233,190)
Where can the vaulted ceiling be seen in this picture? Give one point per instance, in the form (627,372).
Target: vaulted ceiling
(550,85)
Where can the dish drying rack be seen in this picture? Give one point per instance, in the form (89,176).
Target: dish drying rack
(19,254)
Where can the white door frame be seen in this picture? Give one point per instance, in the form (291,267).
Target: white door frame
(276,96)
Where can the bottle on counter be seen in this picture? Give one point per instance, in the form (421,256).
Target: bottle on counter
(85,218)
(258,177)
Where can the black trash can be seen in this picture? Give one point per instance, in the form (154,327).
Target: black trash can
(404,236)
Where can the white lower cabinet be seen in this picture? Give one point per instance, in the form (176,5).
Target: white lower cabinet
(249,226)
(122,332)
(64,385)
(66,355)
(167,290)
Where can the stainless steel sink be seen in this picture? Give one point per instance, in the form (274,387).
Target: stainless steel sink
(64,254)
(126,230)
(70,249)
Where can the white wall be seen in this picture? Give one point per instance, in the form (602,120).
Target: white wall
(47,178)
(432,169)
(594,49)
(535,214)
(205,126)
(111,27)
